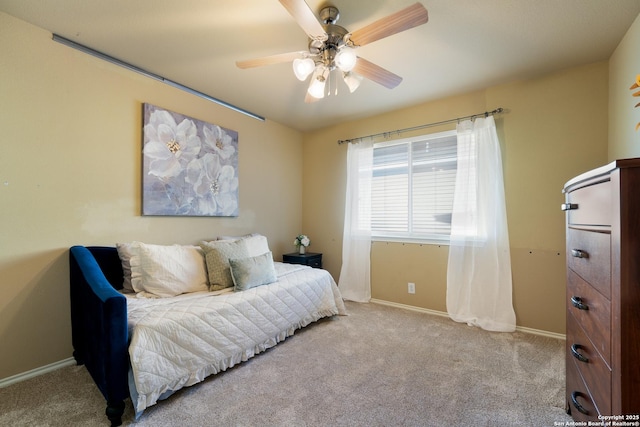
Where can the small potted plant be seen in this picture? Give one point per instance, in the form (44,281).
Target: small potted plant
(301,242)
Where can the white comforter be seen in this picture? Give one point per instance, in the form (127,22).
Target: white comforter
(177,342)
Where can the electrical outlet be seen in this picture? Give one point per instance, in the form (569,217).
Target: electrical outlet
(411,288)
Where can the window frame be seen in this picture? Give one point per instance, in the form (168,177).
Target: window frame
(430,239)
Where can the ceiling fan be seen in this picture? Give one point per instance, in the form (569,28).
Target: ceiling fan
(332,47)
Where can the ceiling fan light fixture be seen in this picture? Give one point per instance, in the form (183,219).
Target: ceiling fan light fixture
(333,47)
(346,59)
(318,82)
(303,67)
(316,89)
(352,80)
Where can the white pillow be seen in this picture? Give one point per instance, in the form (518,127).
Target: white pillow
(236,237)
(256,245)
(166,271)
(124,252)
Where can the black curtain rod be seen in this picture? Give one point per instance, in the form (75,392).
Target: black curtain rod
(388,134)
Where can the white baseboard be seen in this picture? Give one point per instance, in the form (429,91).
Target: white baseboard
(5,382)
(541,332)
(443,314)
(409,307)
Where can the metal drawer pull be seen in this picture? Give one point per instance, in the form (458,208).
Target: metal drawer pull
(575,353)
(574,400)
(568,206)
(578,303)
(577,253)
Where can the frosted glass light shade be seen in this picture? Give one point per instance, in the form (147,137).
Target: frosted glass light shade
(316,89)
(303,67)
(318,81)
(352,80)
(346,59)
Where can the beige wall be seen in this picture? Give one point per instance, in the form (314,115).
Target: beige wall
(624,66)
(70,174)
(552,130)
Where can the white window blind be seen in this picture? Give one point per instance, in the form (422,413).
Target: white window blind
(412,188)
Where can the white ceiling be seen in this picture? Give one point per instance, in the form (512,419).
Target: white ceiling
(467,45)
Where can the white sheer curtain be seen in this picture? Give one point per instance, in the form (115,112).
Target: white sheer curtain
(355,281)
(479,286)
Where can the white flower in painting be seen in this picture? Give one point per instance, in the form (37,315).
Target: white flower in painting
(169,146)
(215,185)
(216,139)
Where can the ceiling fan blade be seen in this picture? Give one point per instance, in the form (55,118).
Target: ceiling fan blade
(376,73)
(402,20)
(305,17)
(269,60)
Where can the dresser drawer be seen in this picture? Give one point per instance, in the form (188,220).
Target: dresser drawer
(592,205)
(315,262)
(593,311)
(578,397)
(593,369)
(589,255)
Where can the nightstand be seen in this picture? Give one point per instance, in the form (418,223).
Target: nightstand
(311,259)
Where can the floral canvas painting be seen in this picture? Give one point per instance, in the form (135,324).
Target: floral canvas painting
(190,167)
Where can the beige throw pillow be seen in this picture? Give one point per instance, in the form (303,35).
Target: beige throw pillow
(217,255)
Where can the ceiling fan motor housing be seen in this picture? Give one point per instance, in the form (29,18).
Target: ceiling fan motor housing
(329,14)
(328,48)
(332,45)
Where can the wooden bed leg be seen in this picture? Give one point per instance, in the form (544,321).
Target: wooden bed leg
(114,412)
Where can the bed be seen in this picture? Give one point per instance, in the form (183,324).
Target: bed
(145,347)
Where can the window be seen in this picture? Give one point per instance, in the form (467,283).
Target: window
(412,188)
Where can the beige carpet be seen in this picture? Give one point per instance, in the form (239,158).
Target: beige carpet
(379,366)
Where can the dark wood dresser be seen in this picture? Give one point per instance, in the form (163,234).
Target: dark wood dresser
(603,292)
